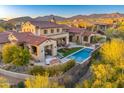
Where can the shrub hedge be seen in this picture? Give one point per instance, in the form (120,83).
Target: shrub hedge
(37,70)
(53,70)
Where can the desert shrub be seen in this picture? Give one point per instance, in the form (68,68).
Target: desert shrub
(0,56)
(37,70)
(41,81)
(4,83)
(53,70)
(68,65)
(96,54)
(61,68)
(21,84)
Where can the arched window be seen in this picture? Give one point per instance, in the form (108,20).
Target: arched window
(52,31)
(45,32)
(58,30)
(77,37)
(24,30)
(85,38)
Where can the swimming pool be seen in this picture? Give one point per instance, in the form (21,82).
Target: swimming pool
(81,55)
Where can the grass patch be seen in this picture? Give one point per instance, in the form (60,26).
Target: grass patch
(67,51)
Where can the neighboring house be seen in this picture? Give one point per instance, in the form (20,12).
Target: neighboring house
(39,46)
(82,36)
(49,29)
(101,26)
(17,27)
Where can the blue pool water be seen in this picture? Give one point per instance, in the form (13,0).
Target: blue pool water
(81,55)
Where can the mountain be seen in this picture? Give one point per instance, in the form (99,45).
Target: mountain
(20,19)
(2,20)
(49,17)
(78,17)
(59,18)
(112,15)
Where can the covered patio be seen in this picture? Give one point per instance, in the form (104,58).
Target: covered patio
(61,42)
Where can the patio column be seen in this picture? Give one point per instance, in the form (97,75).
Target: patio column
(30,50)
(67,40)
(41,53)
(89,38)
(54,49)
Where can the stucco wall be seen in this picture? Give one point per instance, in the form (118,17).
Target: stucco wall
(62,35)
(49,32)
(28,27)
(1,45)
(74,38)
(41,49)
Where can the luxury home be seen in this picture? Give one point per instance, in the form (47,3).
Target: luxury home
(39,46)
(83,36)
(43,38)
(49,29)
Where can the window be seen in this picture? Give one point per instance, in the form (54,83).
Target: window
(34,50)
(58,30)
(52,31)
(45,32)
(85,38)
(65,30)
(77,37)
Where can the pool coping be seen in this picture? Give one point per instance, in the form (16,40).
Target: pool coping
(78,51)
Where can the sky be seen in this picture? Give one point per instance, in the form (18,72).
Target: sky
(12,11)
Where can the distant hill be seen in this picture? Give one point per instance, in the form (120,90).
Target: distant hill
(20,19)
(59,18)
(112,15)
(49,17)
(2,20)
(78,17)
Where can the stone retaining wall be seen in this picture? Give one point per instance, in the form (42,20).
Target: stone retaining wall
(71,77)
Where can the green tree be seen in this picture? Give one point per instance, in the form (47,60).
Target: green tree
(111,33)
(16,55)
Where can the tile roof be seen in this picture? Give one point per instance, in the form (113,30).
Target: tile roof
(81,31)
(45,24)
(23,37)
(4,37)
(87,33)
(75,30)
